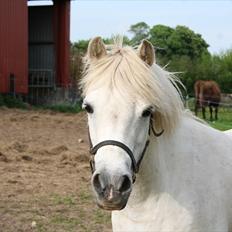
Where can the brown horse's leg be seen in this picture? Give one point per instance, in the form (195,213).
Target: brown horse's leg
(203,111)
(216,113)
(196,108)
(211,113)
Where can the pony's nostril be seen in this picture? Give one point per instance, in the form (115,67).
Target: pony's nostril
(96,182)
(125,184)
(104,186)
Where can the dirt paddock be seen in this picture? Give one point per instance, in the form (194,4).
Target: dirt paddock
(45,175)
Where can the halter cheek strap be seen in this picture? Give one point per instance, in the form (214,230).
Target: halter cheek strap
(135,166)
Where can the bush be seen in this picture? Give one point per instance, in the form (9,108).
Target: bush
(1,101)
(12,102)
(65,107)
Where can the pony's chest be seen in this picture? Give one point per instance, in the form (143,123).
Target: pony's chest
(165,215)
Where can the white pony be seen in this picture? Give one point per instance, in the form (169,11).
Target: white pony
(184,182)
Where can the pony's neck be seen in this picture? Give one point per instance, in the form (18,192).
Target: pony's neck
(153,172)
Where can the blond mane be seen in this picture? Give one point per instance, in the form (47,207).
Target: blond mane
(122,70)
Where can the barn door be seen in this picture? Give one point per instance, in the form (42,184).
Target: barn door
(41,53)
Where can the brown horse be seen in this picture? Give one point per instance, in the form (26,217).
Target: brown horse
(207,93)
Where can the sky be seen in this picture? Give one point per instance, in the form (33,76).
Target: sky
(211,18)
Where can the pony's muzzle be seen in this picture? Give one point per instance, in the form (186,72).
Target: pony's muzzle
(112,192)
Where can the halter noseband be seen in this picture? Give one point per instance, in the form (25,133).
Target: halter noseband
(135,166)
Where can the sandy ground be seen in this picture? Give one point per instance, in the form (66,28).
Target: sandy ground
(45,175)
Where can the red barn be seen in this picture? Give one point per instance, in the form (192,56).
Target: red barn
(34,46)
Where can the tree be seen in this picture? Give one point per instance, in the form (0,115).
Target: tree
(179,41)
(125,40)
(78,50)
(184,41)
(159,36)
(80,47)
(140,31)
(224,74)
(181,48)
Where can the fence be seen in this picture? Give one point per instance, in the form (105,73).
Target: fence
(44,90)
(41,85)
(224,106)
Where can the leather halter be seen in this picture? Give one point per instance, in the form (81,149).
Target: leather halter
(135,165)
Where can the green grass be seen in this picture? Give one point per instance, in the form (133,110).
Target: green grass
(72,212)
(224,121)
(69,224)
(40,227)
(85,196)
(100,217)
(63,200)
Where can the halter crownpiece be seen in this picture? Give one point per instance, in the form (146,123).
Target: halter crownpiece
(135,166)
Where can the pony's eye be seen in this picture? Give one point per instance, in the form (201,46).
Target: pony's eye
(88,108)
(147,112)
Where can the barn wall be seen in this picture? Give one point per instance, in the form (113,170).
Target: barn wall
(62,41)
(14,44)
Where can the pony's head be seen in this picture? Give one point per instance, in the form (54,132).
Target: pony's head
(124,93)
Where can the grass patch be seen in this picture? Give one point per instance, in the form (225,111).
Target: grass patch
(101,217)
(63,200)
(66,222)
(40,227)
(85,197)
(220,125)
(224,121)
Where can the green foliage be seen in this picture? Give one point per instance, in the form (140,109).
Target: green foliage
(78,50)
(207,67)
(224,74)
(140,31)
(79,47)
(126,40)
(187,52)
(184,50)
(64,108)
(12,102)
(159,36)
(185,42)
(1,100)
(179,41)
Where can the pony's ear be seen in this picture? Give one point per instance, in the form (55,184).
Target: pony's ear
(146,52)
(96,48)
